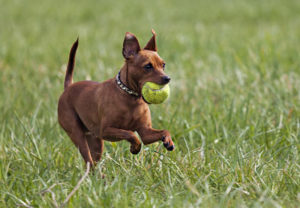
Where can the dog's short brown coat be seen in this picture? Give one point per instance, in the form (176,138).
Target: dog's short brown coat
(91,112)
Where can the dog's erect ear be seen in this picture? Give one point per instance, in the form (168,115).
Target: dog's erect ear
(131,45)
(151,45)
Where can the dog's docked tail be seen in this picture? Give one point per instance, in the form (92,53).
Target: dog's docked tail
(71,63)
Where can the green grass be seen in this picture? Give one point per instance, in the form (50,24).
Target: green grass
(233,112)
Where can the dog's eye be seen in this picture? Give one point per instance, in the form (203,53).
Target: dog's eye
(148,66)
(164,65)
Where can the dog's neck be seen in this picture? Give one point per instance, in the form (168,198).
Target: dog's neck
(126,83)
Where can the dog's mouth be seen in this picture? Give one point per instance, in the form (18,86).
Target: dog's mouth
(158,87)
(145,100)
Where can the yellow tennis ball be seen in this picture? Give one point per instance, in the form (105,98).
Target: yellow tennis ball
(154,93)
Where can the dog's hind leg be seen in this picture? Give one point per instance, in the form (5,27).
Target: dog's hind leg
(96,146)
(77,135)
(72,124)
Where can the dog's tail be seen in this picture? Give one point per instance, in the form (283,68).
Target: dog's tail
(71,63)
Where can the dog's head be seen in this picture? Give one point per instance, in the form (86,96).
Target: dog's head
(143,65)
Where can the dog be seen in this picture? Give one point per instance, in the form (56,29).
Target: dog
(91,112)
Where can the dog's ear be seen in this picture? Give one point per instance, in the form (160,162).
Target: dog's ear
(151,45)
(131,45)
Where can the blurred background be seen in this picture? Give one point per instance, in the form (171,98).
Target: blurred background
(233,110)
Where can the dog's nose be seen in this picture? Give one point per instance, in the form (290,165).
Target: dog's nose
(166,79)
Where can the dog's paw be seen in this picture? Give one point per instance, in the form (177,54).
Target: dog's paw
(168,143)
(135,148)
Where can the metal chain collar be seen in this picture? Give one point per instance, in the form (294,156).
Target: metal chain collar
(124,87)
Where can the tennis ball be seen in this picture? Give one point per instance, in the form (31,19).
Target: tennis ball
(154,93)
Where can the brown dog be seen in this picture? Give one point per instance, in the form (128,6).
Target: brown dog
(91,112)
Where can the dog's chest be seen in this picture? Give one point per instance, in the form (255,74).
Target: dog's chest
(131,117)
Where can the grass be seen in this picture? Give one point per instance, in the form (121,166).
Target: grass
(233,112)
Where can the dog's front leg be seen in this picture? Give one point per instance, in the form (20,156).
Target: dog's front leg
(149,136)
(114,135)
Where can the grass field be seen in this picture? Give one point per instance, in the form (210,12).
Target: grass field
(234,111)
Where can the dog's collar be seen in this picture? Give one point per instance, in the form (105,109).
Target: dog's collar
(124,87)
